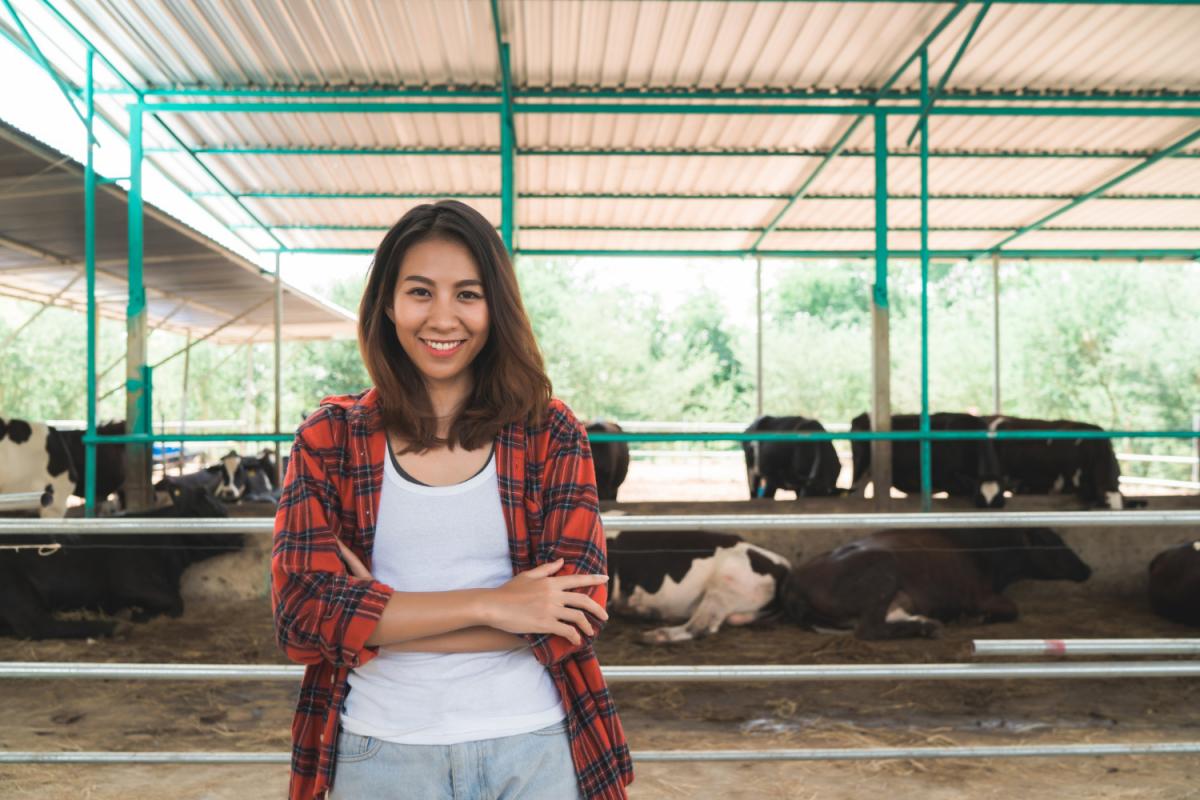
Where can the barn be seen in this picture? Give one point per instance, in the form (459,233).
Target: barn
(931,136)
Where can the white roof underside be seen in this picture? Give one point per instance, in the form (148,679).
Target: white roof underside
(683,45)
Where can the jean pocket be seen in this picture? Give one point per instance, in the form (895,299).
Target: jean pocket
(557,729)
(352,747)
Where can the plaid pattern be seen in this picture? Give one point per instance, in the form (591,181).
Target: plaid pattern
(323,615)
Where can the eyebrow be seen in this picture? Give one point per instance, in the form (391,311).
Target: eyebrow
(458,285)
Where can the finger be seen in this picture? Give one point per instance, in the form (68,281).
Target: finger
(582,601)
(568,632)
(544,570)
(579,620)
(578,581)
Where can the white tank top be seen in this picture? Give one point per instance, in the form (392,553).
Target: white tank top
(436,539)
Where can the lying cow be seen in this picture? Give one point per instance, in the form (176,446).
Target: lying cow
(698,578)
(1086,467)
(610,459)
(965,468)
(249,478)
(899,584)
(104,572)
(810,469)
(1175,584)
(35,457)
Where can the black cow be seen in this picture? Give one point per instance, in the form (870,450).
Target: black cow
(250,478)
(967,468)
(1086,467)
(611,460)
(36,457)
(810,469)
(898,584)
(1175,584)
(702,579)
(105,572)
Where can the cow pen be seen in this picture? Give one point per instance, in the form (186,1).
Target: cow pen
(773,702)
(773,155)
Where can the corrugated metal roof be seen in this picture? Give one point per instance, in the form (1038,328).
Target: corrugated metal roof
(680,46)
(192,284)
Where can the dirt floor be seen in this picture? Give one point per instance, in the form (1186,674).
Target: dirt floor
(254,716)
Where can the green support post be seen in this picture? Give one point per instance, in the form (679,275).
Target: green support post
(923,128)
(89,257)
(137,420)
(508,137)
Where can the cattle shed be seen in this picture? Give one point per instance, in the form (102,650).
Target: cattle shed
(954,131)
(962,132)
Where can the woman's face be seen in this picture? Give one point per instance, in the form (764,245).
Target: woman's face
(440,312)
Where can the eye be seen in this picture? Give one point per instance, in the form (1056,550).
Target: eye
(469,294)
(418,291)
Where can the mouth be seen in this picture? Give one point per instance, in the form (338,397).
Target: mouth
(442,347)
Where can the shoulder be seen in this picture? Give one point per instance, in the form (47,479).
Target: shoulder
(561,424)
(329,425)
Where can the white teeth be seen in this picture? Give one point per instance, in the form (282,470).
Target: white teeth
(442,345)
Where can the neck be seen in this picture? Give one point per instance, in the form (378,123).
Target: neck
(446,400)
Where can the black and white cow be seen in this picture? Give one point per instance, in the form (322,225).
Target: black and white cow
(810,469)
(36,457)
(249,478)
(1175,584)
(610,459)
(697,578)
(1085,467)
(908,583)
(105,572)
(967,468)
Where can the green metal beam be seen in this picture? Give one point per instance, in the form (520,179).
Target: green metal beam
(692,93)
(1109,254)
(841,142)
(325,108)
(925,455)
(508,137)
(590,152)
(351,228)
(927,100)
(676,196)
(1101,189)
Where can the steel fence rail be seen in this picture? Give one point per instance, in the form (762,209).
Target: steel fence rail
(1085,647)
(24,501)
(645,756)
(664,522)
(39,670)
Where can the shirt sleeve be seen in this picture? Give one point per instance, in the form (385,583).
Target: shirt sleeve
(571,526)
(322,613)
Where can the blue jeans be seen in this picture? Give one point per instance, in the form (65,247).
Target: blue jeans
(528,766)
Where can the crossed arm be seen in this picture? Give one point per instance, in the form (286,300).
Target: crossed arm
(478,620)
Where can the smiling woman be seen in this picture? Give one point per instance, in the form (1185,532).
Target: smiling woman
(439,561)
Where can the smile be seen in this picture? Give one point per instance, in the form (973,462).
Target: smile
(443,347)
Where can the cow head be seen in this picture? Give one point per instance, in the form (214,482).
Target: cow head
(1052,559)
(794,601)
(233,478)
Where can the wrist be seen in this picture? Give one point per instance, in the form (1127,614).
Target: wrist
(482,607)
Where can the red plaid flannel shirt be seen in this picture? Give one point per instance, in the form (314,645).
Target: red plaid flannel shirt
(323,615)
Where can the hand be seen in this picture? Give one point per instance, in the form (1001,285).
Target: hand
(535,602)
(353,563)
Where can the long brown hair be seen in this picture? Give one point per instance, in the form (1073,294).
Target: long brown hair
(510,376)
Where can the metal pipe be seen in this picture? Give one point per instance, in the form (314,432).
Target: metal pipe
(996,333)
(26,670)
(1085,647)
(24,501)
(1187,255)
(277,478)
(881,368)
(137,415)
(758,339)
(89,258)
(668,522)
(646,756)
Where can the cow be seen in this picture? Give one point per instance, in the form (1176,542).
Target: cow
(1175,584)
(610,459)
(908,583)
(701,579)
(1085,467)
(810,469)
(250,478)
(36,457)
(965,468)
(104,572)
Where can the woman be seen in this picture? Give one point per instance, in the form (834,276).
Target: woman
(439,561)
